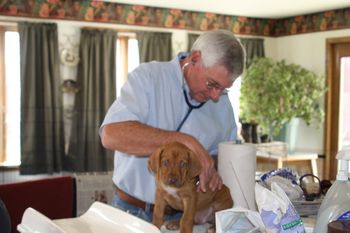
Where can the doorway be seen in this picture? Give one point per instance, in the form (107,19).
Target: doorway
(338,81)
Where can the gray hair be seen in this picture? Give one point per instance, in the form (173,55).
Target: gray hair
(221,47)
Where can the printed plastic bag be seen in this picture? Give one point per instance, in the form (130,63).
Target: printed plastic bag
(239,220)
(276,210)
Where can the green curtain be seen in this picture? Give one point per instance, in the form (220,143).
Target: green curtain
(154,46)
(96,80)
(254,47)
(42,133)
(191,38)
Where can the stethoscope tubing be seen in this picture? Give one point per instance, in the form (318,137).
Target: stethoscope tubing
(189,104)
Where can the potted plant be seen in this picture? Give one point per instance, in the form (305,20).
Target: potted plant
(274,92)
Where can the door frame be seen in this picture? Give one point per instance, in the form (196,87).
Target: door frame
(333,56)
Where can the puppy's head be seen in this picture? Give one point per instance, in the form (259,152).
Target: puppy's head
(174,164)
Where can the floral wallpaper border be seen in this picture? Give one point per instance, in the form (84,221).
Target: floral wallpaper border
(107,12)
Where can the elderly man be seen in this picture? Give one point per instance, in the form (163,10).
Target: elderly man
(182,100)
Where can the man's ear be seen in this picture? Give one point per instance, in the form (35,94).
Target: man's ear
(154,160)
(195,56)
(195,166)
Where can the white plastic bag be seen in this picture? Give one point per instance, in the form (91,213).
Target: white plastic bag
(238,220)
(276,210)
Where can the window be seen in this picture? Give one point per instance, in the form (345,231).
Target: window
(10,96)
(233,95)
(127,57)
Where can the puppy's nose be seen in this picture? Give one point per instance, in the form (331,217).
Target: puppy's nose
(172,180)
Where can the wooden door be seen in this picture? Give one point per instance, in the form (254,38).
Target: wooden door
(336,49)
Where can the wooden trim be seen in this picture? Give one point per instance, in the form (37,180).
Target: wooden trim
(8,28)
(328,109)
(9,25)
(124,53)
(120,31)
(2,97)
(333,55)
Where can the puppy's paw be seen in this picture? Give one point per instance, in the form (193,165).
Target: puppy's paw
(173,225)
(211,230)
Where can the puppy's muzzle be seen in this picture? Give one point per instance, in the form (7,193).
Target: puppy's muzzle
(173,180)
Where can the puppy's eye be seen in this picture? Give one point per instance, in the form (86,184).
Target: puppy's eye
(183,164)
(165,163)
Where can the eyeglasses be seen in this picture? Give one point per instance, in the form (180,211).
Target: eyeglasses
(213,85)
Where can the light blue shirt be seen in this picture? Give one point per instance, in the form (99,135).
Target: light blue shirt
(153,94)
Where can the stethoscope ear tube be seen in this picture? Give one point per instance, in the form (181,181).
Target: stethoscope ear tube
(190,106)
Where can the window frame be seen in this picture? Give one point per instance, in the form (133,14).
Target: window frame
(3,92)
(122,60)
(2,96)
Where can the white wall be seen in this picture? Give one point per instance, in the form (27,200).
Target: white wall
(308,49)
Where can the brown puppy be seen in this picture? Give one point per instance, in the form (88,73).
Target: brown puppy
(176,169)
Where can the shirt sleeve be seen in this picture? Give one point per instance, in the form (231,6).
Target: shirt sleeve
(133,103)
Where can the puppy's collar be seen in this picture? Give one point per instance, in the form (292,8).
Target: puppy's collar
(196,179)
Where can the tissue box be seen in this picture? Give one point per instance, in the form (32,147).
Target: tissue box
(307,208)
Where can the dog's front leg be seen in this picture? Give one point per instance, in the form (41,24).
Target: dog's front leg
(159,207)
(187,219)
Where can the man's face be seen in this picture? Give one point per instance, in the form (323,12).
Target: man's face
(207,83)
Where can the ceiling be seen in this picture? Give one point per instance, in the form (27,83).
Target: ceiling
(249,8)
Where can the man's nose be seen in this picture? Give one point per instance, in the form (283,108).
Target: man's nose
(215,94)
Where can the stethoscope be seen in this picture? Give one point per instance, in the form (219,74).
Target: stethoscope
(189,104)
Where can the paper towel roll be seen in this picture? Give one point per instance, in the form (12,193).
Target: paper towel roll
(237,165)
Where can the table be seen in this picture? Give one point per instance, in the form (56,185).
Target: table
(309,224)
(290,157)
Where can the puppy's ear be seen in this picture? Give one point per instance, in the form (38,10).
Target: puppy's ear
(154,160)
(195,166)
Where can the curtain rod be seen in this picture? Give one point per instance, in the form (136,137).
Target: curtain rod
(8,23)
(121,32)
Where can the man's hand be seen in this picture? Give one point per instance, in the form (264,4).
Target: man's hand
(209,178)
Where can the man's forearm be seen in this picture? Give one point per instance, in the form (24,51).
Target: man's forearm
(135,138)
